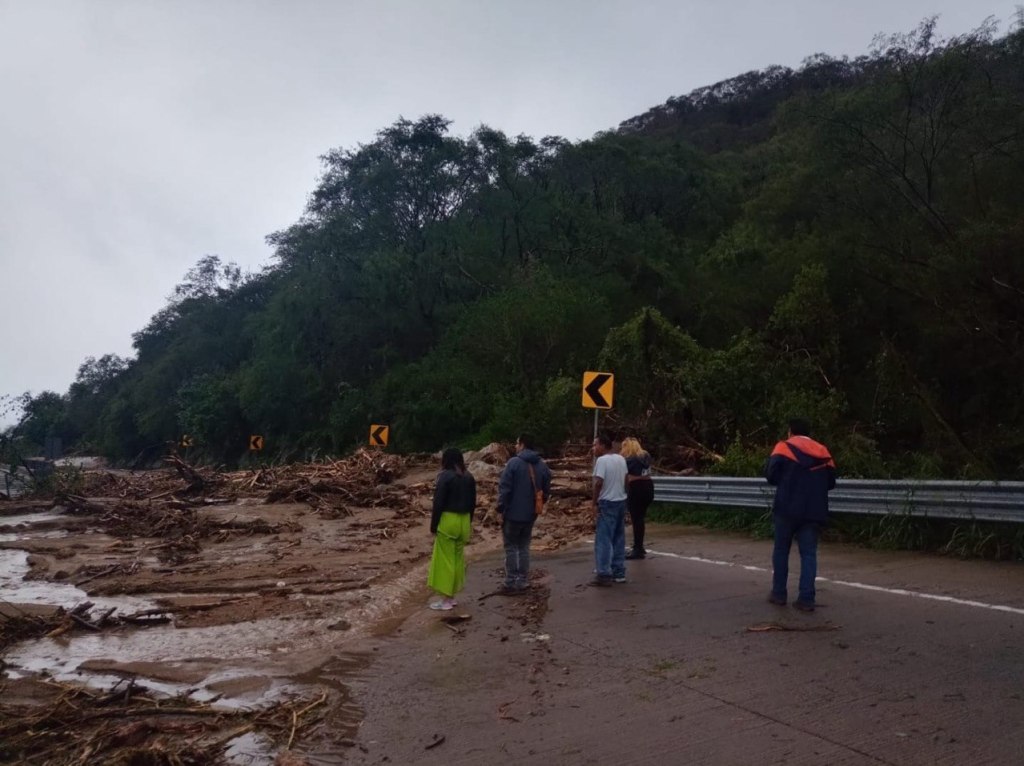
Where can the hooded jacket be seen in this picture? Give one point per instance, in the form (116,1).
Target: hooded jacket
(515,490)
(803,472)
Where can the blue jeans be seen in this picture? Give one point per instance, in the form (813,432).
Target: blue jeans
(806,535)
(516,535)
(610,538)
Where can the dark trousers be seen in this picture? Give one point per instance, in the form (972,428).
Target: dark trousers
(516,536)
(641,495)
(806,535)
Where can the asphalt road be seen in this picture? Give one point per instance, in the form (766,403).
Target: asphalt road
(911,659)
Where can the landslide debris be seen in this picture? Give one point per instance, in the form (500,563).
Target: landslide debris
(304,541)
(62,724)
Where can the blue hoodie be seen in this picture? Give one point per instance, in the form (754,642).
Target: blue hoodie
(515,490)
(803,472)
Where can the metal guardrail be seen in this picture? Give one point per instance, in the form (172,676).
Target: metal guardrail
(965,500)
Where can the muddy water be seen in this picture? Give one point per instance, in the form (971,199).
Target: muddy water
(232,666)
(16,525)
(14,567)
(16,589)
(248,664)
(282,646)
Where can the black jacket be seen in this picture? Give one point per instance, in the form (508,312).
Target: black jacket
(455,492)
(639,465)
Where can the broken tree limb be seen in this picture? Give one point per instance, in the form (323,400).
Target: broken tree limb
(188,473)
(83,622)
(104,573)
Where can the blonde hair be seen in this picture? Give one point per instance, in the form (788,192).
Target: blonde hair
(631,448)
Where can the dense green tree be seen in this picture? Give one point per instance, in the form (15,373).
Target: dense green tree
(42,416)
(841,240)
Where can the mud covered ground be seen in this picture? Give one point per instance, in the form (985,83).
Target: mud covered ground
(186,616)
(278,617)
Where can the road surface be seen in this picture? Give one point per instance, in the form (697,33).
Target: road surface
(911,659)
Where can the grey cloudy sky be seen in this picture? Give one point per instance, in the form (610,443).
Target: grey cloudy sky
(137,136)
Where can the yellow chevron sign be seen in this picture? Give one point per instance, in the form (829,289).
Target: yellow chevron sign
(379,436)
(598,388)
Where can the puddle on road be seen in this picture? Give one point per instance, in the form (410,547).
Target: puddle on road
(321,747)
(342,722)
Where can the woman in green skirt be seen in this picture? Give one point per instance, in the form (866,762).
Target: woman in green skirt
(450,523)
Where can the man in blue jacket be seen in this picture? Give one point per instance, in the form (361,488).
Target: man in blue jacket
(524,475)
(803,472)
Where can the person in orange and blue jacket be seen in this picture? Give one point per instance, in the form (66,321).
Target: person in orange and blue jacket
(803,472)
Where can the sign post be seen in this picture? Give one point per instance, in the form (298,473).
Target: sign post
(255,443)
(598,392)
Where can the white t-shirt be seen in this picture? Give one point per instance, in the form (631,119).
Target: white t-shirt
(612,470)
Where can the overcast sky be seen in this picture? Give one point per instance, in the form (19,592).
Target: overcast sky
(137,136)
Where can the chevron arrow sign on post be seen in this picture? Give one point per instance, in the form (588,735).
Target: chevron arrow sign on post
(379,436)
(598,388)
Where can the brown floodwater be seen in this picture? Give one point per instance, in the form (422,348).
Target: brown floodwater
(243,664)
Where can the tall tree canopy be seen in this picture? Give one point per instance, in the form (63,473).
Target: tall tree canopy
(842,240)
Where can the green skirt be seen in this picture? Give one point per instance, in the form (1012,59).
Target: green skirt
(447,573)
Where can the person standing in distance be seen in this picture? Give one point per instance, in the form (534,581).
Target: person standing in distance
(803,472)
(523,476)
(609,512)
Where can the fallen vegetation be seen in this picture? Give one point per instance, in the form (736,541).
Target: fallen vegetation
(128,724)
(167,503)
(290,542)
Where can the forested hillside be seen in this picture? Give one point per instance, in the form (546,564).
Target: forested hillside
(842,241)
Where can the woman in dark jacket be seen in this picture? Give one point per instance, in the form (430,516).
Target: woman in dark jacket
(451,523)
(640,491)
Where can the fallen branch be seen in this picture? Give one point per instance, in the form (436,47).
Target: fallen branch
(181,608)
(777,626)
(84,623)
(109,570)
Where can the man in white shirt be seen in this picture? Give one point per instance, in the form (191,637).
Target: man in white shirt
(610,513)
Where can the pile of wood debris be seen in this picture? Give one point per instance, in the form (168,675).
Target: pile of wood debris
(127,724)
(364,470)
(20,623)
(168,503)
(164,503)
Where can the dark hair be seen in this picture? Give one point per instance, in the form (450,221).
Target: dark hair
(605,440)
(451,459)
(527,441)
(799,427)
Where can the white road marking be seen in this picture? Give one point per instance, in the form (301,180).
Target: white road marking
(849,584)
